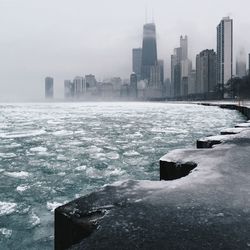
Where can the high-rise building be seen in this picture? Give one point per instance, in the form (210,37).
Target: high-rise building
(155,77)
(49,87)
(133,86)
(206,71)
(184,47)
(161,65)
(176,71)
(68,89)
(90,81)
(241,64)
(136,62)
(149,50)
(186,67)
(241,68)
(117,83)
(249,64)
(192,83)
(224,52)
(79,86)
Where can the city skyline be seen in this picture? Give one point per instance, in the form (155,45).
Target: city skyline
(31,50)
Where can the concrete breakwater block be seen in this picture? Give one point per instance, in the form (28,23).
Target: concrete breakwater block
(243,125)
(210,141)
(233,131)
(171,170)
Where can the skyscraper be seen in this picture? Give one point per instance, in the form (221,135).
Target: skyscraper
(206,71)
(248,64)
(79,86)
(133,86)
(136,62)
(68,89)
(176,71)
(241,64)
(161,65)
(90,81)
(49,87)
(224,52)
(184,47)
(149,50)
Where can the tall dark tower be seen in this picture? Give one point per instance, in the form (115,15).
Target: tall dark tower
(149,50)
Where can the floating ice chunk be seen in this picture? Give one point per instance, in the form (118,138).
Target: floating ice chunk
(34,220)
(94,173)
(116,172)
(62,133)
(61,174)
(21,134)
(113,155)
(22,188)
(7,155)
(51,206)
(6,232)
(81,168)
(7,208)
(61,158)
(93,149)
(20,175)
(38,149)
(131,153)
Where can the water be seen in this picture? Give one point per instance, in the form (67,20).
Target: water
(53,153)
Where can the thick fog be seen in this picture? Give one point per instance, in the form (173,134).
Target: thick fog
(65,38)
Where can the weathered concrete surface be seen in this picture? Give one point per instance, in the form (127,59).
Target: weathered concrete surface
(207,209)
(210,141)
(232,131)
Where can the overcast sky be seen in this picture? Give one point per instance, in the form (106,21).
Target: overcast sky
(65,38)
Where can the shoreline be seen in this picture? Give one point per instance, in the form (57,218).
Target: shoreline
(212,164)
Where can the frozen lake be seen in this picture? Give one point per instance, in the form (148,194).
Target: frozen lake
(51,153)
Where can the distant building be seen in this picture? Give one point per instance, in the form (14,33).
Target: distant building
(186,67)
(79,86)
(106,90)
(206,71)
(49,87)
(136,62)
(133,86)
(224,52)
(167,92)
(249,64)
(241,64)
(90,81)
(192,89)
(149,50)
(117,83)
(184,47)
(155,76)
(125,90)
(161,65)
(68,89)
(241,69)
(176,71)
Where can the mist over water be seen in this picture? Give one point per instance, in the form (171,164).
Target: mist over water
(51,153)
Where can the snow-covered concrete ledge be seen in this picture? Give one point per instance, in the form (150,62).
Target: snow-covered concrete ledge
(207,207)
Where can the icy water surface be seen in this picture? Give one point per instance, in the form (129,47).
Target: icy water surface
(53,153)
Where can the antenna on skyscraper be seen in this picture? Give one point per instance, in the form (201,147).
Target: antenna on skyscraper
(153,16)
